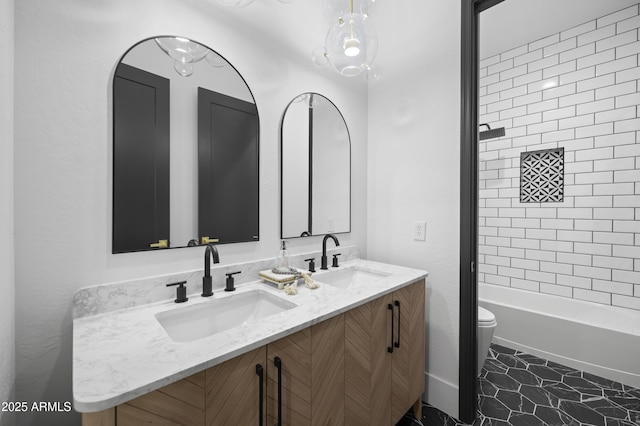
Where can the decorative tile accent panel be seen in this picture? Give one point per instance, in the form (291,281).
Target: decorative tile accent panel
(577,91)
(542,176)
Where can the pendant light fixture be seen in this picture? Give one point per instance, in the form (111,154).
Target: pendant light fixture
(351,43)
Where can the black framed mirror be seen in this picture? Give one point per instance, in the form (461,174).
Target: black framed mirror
(185,148)
(315,168)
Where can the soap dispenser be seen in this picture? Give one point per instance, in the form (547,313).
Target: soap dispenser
(282,261)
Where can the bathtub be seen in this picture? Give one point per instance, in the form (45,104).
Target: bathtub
(599,339)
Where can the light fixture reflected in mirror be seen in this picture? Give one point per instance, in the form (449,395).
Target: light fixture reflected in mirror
(351,43)
(215,60)
(310,100)
(185,53)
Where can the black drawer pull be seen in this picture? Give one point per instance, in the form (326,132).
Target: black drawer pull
(260,373)
(390,348)
(397,344)
(278,363)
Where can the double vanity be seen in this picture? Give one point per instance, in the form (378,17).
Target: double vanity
(349,352)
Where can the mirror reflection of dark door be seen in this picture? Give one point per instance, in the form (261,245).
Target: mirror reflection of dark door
(227,165)
(141,160)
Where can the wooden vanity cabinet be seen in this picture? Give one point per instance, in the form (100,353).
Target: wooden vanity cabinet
(311,381)
(363,367)
(384,357)
(311,376)
(180,403)
(303,381)
(235,391)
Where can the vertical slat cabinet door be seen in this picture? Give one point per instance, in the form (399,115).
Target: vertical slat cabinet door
(408,356)
(180,403)
(140,159)
(381,357)
(327,372)
(289,380)
(368,364)
(417,342)
(357,365)
(233,395)
(228,167)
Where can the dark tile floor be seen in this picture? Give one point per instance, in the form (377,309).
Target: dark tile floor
(520,389)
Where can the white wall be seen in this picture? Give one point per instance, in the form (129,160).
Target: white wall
(66,52)
(414,139)
(576,89)
(7,287)
(524,21)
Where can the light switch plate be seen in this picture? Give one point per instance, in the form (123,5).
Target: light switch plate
(419,230)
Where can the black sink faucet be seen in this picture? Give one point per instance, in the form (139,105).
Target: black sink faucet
(207,282)
(324,249)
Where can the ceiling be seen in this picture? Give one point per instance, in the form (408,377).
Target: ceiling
(514,23)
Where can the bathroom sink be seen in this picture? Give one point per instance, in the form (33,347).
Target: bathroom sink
(204,319)
(350,277)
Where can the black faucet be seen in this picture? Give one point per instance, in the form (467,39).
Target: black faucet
(324,249)
(207,282)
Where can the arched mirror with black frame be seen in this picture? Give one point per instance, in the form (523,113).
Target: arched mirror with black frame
(315,168)
(470,11)
(185,148)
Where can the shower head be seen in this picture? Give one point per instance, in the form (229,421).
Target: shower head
(491,133)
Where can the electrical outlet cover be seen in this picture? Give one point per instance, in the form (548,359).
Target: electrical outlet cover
(420,230)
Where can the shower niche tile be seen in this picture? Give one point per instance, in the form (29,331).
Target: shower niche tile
(542,176)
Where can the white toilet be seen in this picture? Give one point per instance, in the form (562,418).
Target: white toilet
(486,326)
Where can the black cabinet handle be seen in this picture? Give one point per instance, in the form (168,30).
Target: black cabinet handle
(278,363)
(390,348)
(260,373)
(397,344)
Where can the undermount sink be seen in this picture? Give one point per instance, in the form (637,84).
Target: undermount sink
(204,319)
(350,277)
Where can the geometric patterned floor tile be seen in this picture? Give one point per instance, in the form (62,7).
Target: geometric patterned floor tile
(515,388)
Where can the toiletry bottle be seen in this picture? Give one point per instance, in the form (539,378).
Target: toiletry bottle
(282,261)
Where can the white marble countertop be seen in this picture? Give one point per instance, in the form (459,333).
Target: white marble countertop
(120,355)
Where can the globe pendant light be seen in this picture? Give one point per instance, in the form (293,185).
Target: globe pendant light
(351,43)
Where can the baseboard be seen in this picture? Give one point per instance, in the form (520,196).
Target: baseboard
(441,394)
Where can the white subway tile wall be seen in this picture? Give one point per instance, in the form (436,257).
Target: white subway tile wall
(578,90)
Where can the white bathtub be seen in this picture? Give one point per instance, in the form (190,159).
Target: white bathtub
(600,339)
